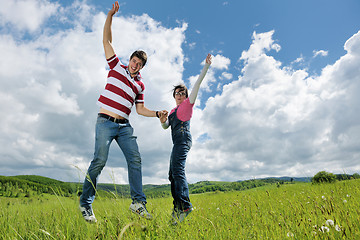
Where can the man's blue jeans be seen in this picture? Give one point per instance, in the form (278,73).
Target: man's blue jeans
(106,132)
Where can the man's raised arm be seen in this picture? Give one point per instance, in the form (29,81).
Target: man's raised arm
(107,35)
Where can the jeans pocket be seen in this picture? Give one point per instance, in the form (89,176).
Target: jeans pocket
(101,120)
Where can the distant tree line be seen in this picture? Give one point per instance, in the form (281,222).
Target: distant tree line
(326,177)
(208,186)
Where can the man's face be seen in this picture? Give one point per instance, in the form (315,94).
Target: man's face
(135,65)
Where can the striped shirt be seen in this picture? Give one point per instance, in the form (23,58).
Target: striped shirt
(121,91)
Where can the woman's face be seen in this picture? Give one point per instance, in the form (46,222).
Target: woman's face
(180,96)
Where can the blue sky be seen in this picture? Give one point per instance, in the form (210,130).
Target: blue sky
(279,99)
(227,26)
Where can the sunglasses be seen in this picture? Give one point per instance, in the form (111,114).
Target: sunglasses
(180,94)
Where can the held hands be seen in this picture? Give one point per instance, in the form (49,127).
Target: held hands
(115,9)
(163,116)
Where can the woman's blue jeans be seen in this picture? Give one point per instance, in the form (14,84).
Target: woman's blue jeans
(106,132)
(179,185)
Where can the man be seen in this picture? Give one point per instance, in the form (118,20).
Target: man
(124,88)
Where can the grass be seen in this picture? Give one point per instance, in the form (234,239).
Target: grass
(294,211)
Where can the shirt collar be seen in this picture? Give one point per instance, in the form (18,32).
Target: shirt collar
(138,75)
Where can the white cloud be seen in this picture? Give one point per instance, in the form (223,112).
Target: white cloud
(352,45)
(275,122)
(48,98)
(322,53)
(26,14)
(298,60)
(226,75)
(261,42)
(219,62)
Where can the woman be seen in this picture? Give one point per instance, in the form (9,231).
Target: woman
(179,120)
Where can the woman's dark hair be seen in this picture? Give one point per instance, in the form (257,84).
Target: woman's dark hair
(182,87)
(141,55)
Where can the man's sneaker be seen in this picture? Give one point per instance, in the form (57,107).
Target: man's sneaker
(140,209)
(88,214)
(180,215)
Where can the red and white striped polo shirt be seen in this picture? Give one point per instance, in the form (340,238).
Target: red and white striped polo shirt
(121,91)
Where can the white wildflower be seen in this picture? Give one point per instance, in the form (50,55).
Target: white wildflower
(329,222)
(324,229)
(290,234)
(344,201)
(338,228)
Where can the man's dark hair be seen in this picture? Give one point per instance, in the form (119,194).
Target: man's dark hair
(141,55)
(182,87)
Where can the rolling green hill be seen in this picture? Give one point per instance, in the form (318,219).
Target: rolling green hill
(27,185)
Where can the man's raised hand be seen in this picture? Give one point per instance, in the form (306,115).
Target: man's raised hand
(115,8)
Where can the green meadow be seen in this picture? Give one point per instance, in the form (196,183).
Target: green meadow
(288,211)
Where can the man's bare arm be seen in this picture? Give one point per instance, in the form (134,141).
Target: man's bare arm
(144,111)
(107,35)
